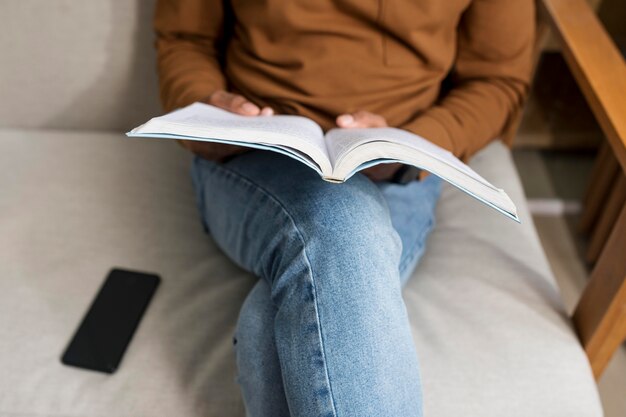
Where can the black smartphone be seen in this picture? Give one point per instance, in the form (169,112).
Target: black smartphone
(109,325)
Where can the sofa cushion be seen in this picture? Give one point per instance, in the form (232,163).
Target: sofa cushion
(488,323)
(70,64)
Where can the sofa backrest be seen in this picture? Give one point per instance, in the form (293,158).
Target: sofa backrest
(72,64)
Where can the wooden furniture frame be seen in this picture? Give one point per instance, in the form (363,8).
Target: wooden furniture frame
(600,72)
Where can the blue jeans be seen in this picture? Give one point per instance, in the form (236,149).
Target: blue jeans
(324,332)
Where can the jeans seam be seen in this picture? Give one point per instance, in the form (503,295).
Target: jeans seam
(236,175)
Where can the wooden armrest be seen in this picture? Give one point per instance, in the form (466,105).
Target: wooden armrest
(596,63)
(600,72)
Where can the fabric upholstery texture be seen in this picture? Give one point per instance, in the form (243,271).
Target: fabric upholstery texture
(69,64)
(488,323)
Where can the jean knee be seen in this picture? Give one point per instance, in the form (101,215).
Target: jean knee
(352,216)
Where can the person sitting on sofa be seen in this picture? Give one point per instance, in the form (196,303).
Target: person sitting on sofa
(324,331)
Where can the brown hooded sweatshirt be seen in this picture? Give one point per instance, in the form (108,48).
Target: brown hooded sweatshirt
(321,58)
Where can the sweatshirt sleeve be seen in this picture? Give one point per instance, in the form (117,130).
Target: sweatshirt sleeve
(188,38)
(490,78)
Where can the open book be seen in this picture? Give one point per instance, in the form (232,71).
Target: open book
(336,155)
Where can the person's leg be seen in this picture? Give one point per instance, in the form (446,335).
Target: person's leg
(258,367)
(412,210)
(328,257)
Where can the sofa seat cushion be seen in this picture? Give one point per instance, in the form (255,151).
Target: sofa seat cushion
(488,323)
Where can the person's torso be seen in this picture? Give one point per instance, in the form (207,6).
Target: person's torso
(320,58)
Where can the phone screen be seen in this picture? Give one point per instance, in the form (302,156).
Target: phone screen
(109,325)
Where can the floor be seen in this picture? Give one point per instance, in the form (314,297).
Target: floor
(554,183)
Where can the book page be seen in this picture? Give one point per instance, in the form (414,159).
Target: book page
(204,115)
(341,142)
(201,121)
(352,150)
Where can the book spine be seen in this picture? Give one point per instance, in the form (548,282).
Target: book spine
(333,180)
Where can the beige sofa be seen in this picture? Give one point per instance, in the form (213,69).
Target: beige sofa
(77,197)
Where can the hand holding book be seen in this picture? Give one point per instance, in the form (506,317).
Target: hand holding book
(233,103)
(238,104)
(364,120)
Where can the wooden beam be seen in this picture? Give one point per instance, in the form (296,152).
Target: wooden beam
(606,220)
(600,317)
(597,65)
(603,175)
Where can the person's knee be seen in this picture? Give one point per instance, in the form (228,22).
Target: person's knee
(349,220)
(349,255)
(266,221)
(336,238)
(291,229)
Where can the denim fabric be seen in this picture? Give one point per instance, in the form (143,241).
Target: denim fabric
(324,332)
